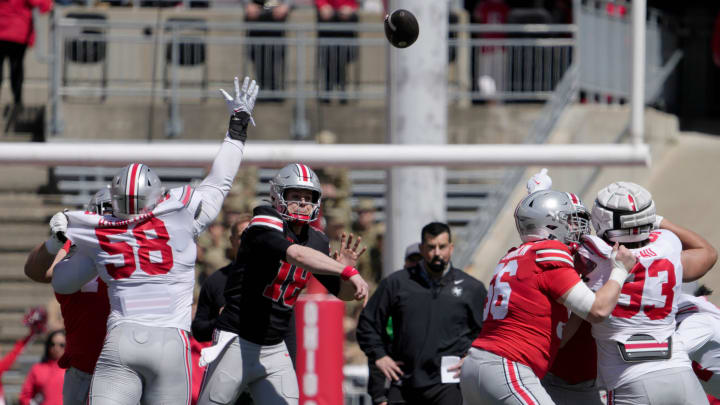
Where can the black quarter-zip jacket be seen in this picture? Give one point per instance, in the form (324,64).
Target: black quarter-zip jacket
(429,320)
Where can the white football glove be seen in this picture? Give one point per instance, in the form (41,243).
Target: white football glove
(539,181)
(58,228)
(244,98)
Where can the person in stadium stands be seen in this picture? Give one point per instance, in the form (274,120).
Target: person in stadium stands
(45,379)
(436,311)
(635,345)
(268,58)
(278,252)
(17,33)
(35,320)
(487,62)
(533,287)
(699,329)
(333,59)
(145,253)
(84,313)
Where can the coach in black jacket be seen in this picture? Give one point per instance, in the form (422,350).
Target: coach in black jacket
(436,311)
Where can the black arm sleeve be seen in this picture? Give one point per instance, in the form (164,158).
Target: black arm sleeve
(371,328)
(205,316)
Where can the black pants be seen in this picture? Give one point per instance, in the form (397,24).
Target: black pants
(16,54)
(333,59)
(438,394)
(269,60)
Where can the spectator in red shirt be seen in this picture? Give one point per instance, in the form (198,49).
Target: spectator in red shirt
(84,313)
(333,59)
(46,377)
(35,321)
(16,35)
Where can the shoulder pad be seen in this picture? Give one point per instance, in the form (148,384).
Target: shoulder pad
(665,236)
(83,219)
(182,194)
(265,216)
(320,234)
(597,246)
(184,197)
(550,254)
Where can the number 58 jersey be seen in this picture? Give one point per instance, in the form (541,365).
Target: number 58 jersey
(147,262)
(522,320)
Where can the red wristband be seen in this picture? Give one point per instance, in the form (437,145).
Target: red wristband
(348,272)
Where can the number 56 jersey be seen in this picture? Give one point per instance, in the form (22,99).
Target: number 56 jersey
(522,320)
(147,262)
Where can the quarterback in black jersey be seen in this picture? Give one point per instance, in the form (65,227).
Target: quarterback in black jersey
(278,252)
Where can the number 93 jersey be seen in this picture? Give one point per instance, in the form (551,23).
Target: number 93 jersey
(647,306)
(147,262)
(522,321)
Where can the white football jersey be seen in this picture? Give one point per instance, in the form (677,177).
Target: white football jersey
(647,305)
(148,262)
(699,328)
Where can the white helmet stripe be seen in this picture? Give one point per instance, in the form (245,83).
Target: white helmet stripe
(133,181)
(303,171)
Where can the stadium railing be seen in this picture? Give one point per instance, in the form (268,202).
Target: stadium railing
(146,58)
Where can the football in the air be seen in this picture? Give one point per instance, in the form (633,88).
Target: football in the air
(401,28)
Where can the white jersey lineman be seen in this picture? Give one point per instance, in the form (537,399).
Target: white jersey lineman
(636,343)
(699,328)
(148,264)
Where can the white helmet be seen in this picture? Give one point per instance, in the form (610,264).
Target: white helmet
(101,202)
(623,212)
(135,189)
(295,176)
(549,214)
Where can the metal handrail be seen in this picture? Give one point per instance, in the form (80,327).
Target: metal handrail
(474,232)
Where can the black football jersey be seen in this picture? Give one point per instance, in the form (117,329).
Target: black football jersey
(262,288)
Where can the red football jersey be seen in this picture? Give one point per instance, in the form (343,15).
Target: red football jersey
(85,314)
(576,362)
(522,320)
